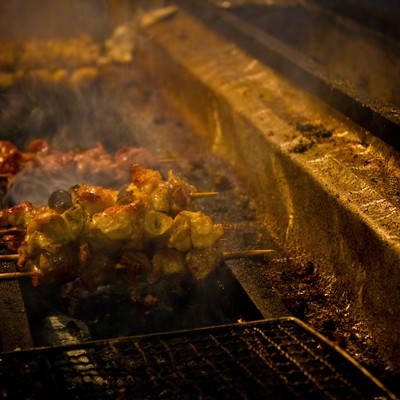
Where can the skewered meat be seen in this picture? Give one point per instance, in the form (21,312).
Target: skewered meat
(41,156)
(51,60)
(170,196)
(94,199)
(17,216)
(83,49)
(91,232)
(118,227)
(69,53)
(36,174)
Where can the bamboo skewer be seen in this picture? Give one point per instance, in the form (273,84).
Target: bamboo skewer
(197,195)
(167,159)
(9,257)
(18,275)
(6,231)
(227,255)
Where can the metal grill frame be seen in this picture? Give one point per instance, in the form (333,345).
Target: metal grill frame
(283,358)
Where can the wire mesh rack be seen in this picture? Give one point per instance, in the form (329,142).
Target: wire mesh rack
(279,359)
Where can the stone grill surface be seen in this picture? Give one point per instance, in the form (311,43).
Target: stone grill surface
(282,358)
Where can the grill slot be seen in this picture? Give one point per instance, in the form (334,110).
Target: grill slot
(280,357)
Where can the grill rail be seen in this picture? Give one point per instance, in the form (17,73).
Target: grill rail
(282,358)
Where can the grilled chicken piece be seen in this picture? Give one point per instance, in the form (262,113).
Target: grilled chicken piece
(118,227)
(170,196)
(193,230)
(94,199)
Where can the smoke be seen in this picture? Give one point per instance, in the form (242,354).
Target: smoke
(59,113)
(56,70)
(47,19)
(63,90)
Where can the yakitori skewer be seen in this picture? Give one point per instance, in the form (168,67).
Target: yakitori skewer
(227,255)
(144,228)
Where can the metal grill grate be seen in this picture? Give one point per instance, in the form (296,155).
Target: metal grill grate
(279,359)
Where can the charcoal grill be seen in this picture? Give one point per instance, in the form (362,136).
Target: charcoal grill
(282,359)
(316,158)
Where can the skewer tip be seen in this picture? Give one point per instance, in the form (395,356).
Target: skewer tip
(19,275)
(228,255)
(11,230)
(8,257)
(166,160)
(197,195)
